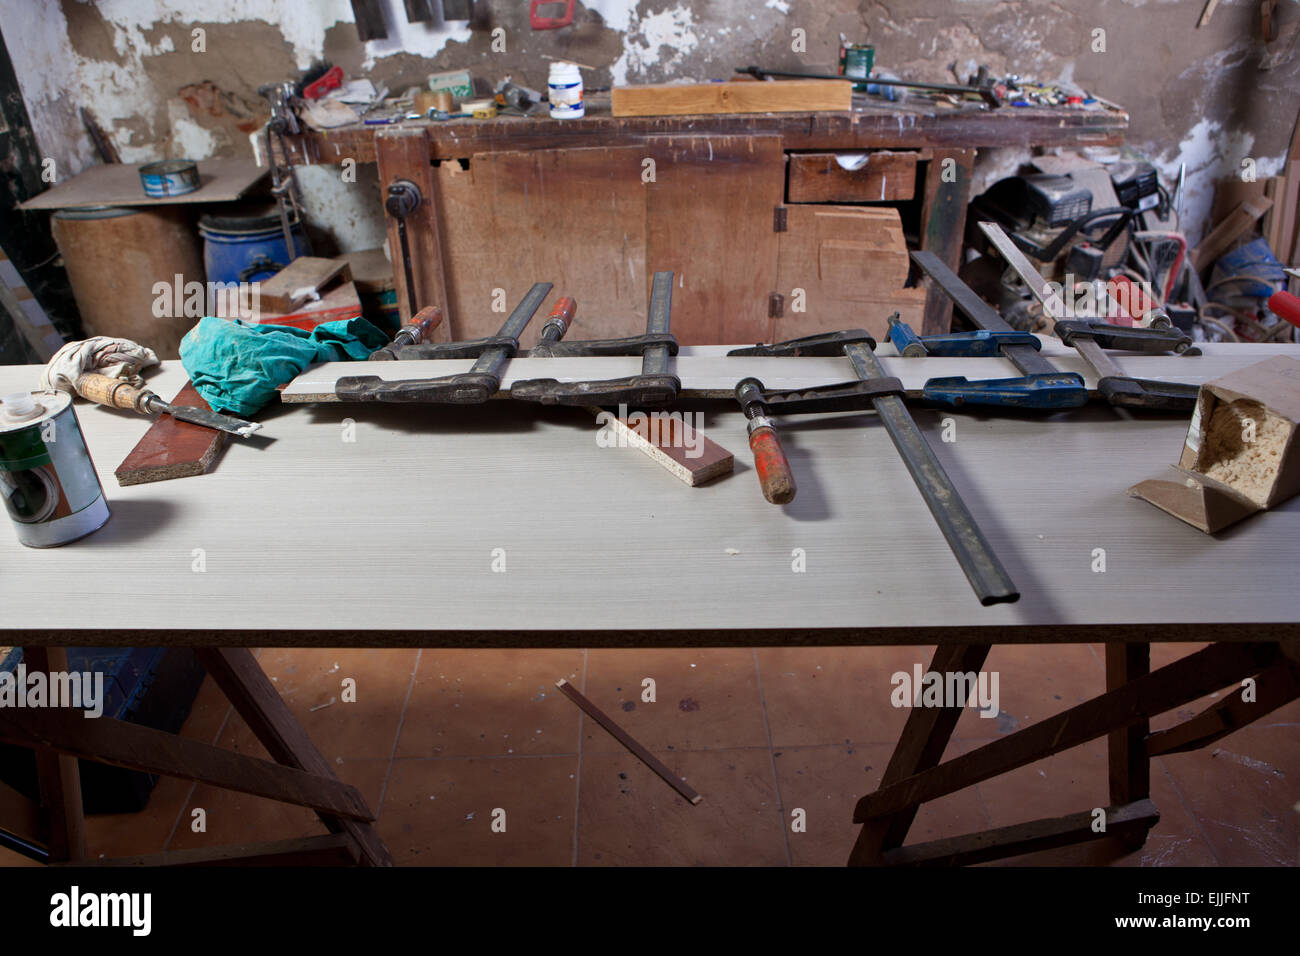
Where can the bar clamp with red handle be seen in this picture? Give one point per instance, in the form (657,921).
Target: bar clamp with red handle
(656,385)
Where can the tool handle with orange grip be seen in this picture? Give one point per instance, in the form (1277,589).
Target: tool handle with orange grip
(424,322)
(773,467)
(560,319)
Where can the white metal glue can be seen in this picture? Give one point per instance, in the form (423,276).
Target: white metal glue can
(49,483)
(564,90)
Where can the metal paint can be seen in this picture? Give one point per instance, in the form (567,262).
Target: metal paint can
(171,177)
(856,60)
(49,483)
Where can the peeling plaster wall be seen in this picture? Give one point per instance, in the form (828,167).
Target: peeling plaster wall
(179,77)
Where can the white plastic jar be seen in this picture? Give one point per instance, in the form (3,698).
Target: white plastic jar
(564,90)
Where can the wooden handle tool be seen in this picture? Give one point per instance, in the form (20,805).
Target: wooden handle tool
(118,393)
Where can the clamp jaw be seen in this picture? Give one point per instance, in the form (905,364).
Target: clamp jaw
(654,386)
(982,343)
(474,387)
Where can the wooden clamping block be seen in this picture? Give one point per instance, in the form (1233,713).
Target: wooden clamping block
(293,285)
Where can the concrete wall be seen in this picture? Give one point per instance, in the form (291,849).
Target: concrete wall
(178,77)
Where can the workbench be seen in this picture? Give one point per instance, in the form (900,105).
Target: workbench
(395,538)
(745,209)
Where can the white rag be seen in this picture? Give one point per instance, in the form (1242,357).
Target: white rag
(116,358)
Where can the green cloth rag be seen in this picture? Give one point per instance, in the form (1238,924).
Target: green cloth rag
(236,366)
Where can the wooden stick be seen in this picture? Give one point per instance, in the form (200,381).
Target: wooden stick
(622,736)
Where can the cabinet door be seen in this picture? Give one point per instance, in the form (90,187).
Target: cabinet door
(710,219)
(843,267)
(573,217)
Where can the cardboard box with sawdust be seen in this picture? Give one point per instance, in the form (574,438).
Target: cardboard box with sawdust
(1241,454)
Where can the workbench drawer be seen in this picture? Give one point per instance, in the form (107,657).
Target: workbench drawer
(887,176)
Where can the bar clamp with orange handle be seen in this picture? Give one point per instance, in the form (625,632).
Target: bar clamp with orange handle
(491,354)
(656,385)
(987,577)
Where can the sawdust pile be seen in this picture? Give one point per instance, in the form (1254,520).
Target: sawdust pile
(1249,466)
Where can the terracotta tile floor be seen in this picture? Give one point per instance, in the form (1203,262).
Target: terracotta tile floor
(474,758)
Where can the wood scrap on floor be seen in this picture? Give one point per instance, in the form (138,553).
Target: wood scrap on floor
(623,737)
(171,448)
(785,96)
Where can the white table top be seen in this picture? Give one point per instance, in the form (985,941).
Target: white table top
(321,541)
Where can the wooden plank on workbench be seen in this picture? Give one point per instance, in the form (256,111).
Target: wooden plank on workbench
(574,217)
(887,176)
(711,219)
(172,448)
(707,371)
(783,96)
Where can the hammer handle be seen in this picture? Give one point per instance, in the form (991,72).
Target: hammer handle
(114,392)
(773,467)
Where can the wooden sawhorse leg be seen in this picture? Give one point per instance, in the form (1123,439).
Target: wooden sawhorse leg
(299,775)
(921,746)
(1134,694)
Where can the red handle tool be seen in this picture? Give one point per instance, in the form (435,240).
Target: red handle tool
(773,467)
(539,22)
(1285,306)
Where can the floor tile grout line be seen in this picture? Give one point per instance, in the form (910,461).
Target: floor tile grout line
(577,790)
(771,757)
(401,722)
(1196,817)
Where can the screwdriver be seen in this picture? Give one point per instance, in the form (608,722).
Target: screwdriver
(118,393)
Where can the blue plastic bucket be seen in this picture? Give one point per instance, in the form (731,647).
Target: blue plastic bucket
(248,245)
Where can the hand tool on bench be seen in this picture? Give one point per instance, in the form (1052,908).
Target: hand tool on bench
(474,387)
(1090,338)
(119,393)
(1041,384)
(414,332)
(654,386)
(987,577)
